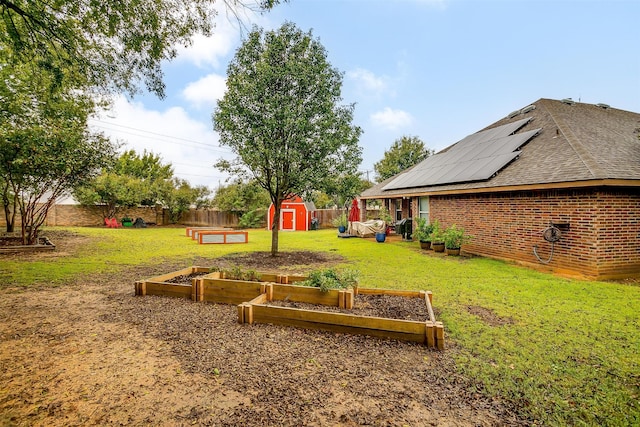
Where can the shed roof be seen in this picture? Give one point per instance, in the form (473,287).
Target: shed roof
(575,144)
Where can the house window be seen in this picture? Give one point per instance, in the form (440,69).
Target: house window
(423,207)
(398,209)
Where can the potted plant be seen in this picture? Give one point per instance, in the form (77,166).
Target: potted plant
(423,233)
(341,222)
(437,237)
(386,217)
(454,237)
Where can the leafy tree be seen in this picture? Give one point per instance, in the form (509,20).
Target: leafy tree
(404,153)
(181,196)
(112,44)
(111,192)
(48,158)
(241,197)
(46,148)
(140,180)
(155,178)
(344,188)
(281,117)
(322,200)
(247,200)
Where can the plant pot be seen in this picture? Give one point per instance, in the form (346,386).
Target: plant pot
(437,247)
(342,229)
(453,252)
(424,244)
(381,237)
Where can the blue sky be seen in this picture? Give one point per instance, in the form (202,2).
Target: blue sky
(435,69)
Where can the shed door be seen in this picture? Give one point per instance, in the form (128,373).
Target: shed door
(288,221)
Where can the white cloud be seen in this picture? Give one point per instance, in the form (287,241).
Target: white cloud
(208,51)
(391,119)
(367,80)
(229,27)
(191,146)
(206,91)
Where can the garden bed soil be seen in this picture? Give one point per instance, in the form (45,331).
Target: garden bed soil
(91,353)
(388,306)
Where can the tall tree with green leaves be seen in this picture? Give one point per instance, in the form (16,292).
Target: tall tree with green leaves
(46,148)
(113,44)
(241,197)
(133,180)
(403,153)
(179,198)
(344,188)
(281,116)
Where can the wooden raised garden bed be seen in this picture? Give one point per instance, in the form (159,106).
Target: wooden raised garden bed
(265,301)
(428,331)
(221,237)
(191,230)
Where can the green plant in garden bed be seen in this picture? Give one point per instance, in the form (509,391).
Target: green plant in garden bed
(331,279)
(238,273)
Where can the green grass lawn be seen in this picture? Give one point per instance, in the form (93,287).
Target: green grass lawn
(566,352)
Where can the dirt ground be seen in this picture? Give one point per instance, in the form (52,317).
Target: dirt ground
(91,353)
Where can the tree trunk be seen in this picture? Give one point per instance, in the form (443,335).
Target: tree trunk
(9,209)
(275,226)
(9,216)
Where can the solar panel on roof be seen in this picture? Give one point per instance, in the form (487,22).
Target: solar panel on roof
(476,157)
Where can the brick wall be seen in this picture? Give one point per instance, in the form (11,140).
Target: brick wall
(79,216)
(603,239)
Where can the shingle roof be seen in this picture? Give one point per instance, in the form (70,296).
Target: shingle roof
(578,142)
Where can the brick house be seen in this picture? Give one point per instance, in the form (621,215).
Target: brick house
(561,164)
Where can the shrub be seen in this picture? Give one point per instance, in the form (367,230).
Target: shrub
(340,220)
(455,237)
(331,279)
(423,230)
(437,233)
(252,219)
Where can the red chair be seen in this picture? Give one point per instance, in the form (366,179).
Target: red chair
(112,223)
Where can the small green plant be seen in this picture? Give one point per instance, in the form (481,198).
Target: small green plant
(237,273)
(423,230)
(252,219)
(437,233)
(454,237)
(332,279)
(340,221)
(385,215)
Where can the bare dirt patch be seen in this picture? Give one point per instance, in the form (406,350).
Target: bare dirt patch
(289,262)
(488,316)
(91,353)
(65,243)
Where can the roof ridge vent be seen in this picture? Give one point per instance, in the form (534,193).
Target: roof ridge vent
(603,106)
(527,109)
(568,101)
(513,114)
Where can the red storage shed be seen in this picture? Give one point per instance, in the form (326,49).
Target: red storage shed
(295,215)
